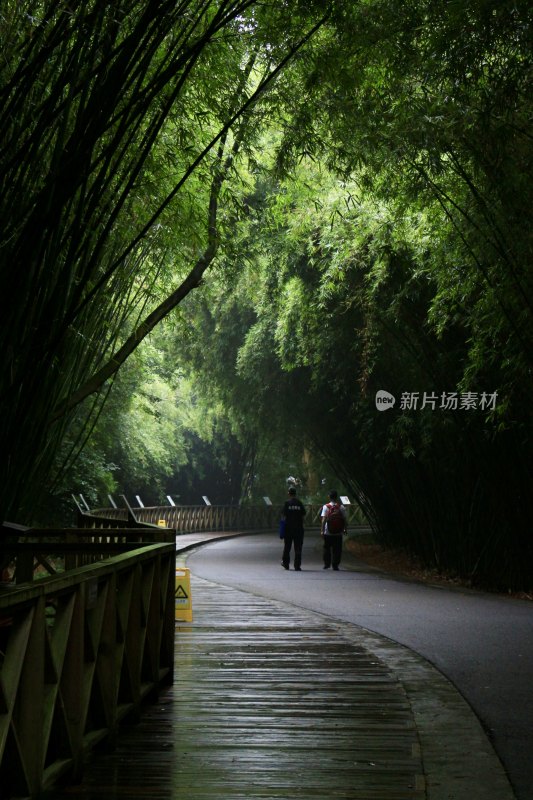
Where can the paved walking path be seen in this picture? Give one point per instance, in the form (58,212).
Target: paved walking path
(274,702)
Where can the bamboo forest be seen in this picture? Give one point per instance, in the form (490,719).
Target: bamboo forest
(248,241)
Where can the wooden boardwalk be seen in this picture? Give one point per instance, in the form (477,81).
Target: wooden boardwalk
(268,703)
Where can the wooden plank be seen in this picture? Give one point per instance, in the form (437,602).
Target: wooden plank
(268,702)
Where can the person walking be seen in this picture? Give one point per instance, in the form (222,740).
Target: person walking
(334,526)
(293,512)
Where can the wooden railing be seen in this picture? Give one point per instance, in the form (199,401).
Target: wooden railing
(195,519)
(39,551)
(78,654)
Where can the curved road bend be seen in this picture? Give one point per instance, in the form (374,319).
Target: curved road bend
(482,643)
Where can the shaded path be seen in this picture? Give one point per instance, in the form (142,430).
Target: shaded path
(483,643)
(275,703)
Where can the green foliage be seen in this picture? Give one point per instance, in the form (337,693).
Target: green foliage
(119,127)
(344,295)
(371,221)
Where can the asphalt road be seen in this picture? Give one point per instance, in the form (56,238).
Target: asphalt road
(482,643)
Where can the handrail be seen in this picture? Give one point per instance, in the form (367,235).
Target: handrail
(73,547)
(78,653)
(196,518)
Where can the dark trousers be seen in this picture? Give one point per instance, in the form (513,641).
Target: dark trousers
(332,549)
(293,538)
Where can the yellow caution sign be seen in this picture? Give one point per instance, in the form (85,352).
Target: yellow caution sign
(162,523)
(182,595)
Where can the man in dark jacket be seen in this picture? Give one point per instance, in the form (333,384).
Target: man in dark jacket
(293,512)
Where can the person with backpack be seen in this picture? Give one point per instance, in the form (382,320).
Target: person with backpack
(333,528)
(293,512)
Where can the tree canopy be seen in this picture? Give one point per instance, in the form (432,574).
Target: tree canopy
(120,125)
(356,178)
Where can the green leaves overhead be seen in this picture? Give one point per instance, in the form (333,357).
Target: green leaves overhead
(357,177)
(387,245)
(108,112)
